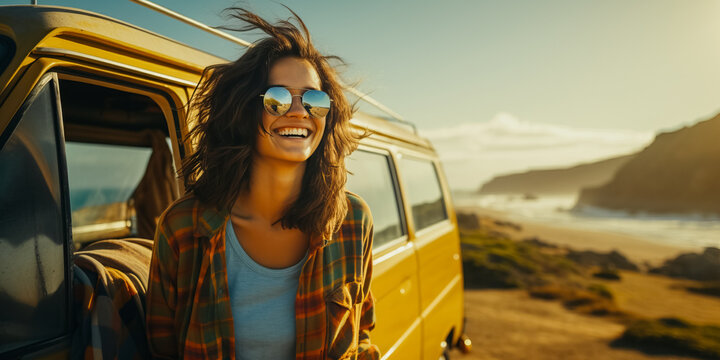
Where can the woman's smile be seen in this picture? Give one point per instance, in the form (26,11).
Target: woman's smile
(293,133)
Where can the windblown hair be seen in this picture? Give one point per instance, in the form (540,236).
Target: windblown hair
(229,121)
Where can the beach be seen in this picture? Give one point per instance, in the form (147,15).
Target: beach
(637,249)
(511,324)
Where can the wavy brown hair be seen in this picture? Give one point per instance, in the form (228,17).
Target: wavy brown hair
(229,107)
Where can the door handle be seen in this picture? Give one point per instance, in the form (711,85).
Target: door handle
(405,287)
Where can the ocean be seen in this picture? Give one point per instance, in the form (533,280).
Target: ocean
(694,230)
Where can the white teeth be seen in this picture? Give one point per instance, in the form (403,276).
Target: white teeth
(293,131)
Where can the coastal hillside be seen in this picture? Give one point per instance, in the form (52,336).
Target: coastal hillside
(679,172)
(556,181)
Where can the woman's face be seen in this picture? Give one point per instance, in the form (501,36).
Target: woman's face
(296,74)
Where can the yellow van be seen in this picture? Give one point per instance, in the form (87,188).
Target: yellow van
(92,122)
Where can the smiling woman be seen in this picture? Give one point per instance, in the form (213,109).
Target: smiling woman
(266,256)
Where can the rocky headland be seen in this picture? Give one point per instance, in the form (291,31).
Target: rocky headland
(556,181)
(678,172)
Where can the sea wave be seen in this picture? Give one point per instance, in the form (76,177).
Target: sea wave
(686,230)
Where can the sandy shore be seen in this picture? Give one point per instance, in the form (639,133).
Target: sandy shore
(637,249)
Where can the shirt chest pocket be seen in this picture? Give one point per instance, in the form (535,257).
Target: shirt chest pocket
(343,320)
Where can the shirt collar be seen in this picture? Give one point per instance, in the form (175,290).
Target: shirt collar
(210,220)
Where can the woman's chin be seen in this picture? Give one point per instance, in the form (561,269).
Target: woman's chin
(287,157)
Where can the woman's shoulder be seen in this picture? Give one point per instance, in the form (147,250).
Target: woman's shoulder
(181,214)
(181,208)
(356,202)
(358,209)
(189,212)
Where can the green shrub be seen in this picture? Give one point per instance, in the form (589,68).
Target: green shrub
(607,274)
(672,336)
(551,292)
(503,263)
(601,290)
(593,302)
(711,289)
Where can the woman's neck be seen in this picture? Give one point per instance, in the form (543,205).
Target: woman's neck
(274,186)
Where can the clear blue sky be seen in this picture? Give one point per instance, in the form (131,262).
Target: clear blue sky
(605,64)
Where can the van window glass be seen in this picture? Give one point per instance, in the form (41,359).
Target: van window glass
(7,50)
(423,192)
(33,295)
(120,166)
(101,179)
(372,180)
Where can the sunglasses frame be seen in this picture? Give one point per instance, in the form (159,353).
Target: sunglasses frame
(288,88)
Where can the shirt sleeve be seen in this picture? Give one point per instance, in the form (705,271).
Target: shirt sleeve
(366,349)
(162,296)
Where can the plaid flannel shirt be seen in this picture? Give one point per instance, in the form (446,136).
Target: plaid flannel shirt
(188,305)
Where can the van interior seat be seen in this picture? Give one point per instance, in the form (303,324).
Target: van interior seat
(109,285)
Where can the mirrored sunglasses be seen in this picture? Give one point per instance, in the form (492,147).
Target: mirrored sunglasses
(277,101)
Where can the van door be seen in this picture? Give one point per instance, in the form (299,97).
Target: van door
(35,283)
(395,281)
(438,250)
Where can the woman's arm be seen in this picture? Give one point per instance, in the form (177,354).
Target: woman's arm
(162,296)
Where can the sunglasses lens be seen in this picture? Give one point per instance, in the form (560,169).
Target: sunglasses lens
(316,102)
(277,101)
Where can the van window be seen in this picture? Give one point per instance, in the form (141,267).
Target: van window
(423,192)
(101,178)
(119,162)
(372,179)
(33,295)
(7,50)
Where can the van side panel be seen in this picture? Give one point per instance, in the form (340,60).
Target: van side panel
(395,287)
(440,271)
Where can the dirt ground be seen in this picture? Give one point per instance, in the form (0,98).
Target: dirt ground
(508,325)
(655,296)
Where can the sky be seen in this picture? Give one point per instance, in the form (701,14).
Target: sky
(620,69)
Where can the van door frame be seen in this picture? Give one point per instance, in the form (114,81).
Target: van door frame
(25,88)
(97,71)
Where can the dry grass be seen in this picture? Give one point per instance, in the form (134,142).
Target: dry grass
(672,336)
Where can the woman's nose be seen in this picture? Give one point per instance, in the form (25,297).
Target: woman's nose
(296,108)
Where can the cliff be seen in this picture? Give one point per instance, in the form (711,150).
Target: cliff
(556,181)
(679,172)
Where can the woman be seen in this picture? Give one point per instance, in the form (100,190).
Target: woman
(266,256)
